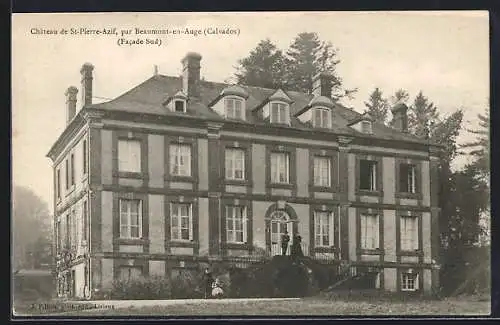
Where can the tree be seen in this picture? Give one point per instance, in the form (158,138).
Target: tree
(32,229)
(420,113)
(480,148)
(264,67)
(377,106)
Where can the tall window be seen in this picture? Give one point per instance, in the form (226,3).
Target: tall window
(84,157)
(74,228)
(58,183)
(322,171)
(236,224)
(368,175)
(129,273)
(279,113)
(129,156)
(68,231)
(72,164)
(181,221)
(409,281)
(409,233)
(130,218)
(279,167)
(235,164)
(85,221)
(180,159)
(323,228)
(407,178)
(369,231)
(322,117)
(66,169)
(58,237)
(234,108)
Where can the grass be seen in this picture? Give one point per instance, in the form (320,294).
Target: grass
(304,307)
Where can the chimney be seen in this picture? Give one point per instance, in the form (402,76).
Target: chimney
(86,72)
(399,117)
(70,103)
(191,74)
(322,85)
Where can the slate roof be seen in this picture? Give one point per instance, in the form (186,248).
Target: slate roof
(149,96)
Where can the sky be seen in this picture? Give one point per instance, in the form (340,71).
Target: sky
(444,54)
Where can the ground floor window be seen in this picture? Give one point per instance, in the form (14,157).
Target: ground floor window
(409,281)
(128,273)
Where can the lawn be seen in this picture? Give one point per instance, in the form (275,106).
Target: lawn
(305,307)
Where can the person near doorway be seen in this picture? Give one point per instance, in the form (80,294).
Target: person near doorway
(208,281)
(285,239)
(297,246)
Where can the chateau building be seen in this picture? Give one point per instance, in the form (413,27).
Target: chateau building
(179,171)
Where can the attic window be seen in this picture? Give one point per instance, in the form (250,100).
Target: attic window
(279,113)
(180,106)
(366,127)
(234,108)
(322,117)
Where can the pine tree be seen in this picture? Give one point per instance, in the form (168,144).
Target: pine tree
(420,114)
(480,148)
(377,106)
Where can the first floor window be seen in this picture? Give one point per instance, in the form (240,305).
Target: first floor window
(279,167)
(130,219)
(368,175)
(236,224)
(68,231)
(409,281)
(235,164)
(129,156)
(322,168)
(58,237)
(369,231)
(58,183)
(72,160)
(181,221)
(180,160)
(323,229)
(84,157)
(84,220)
(407,178)
(129,273)
(409,233)
(66,163)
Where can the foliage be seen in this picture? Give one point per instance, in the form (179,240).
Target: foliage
(266,66)
(377,106)
(32,230)
(480,148)
(420,113)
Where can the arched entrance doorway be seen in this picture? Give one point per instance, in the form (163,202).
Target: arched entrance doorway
(280,218)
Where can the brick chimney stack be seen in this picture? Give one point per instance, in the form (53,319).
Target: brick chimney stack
(70,103)
(400,117)
(191,74)
(322,85)
(86,72)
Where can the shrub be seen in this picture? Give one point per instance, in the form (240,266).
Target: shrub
(154,287)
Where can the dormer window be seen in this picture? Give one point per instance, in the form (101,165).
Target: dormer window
(180,106)
(279,113)
(322,117)
(366,127)
(234,108)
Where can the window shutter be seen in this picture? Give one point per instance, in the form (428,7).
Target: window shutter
(331,228)
(317,118)
(415,233)
(228,164)
(376,230)
(245,224)
(190,222)
(274,113)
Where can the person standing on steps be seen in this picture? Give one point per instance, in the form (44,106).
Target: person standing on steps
(208,281)
(297,247)
(285,239)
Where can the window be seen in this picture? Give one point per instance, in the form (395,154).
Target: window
(279,113)
(322,117)
(236,224)
(58,184)
(181,221)
(129,273)
(180,160)
(322,168)
(73,228)
(179,106)
(323,229)
(407,178)
(68,231)
(409,233)
(66,163)
(72,164)
(409,281)
(369,231)
(279,167)
(130,218)
(234,108)
(368,175)
(235,164)
(129,156)
(84,157)
(366,127)
(58,237)
(84,220)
